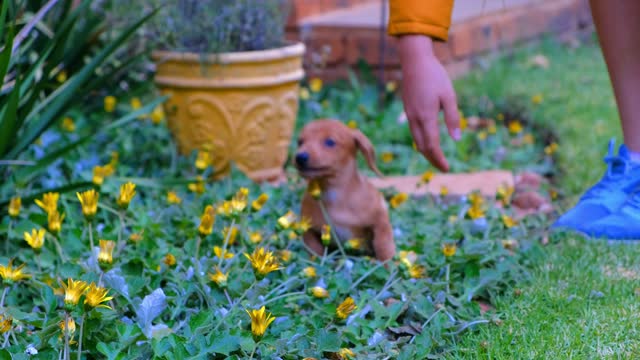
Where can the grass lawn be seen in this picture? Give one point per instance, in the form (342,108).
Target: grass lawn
(581,302)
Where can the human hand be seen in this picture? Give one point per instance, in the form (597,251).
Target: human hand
(427,89)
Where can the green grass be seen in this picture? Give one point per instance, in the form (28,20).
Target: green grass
(580,302)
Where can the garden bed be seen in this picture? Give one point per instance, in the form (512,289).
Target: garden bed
(168,271)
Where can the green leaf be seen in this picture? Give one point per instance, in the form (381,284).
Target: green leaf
(224,344)
(43,118)
(5,355)
(25,174)
(8,130)
(327,341)
(3,19)
(200,320)
(5,56)
(110,351)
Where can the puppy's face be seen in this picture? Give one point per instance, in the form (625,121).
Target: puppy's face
(325,147)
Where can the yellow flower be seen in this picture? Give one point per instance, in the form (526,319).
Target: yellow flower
(475,212)
(536,99)
(135,237)
(115,156)
(398,199)
(105,256)
(232,235)
(169,260)
(96,296)
(285,255)
(427,176)
(14,206)
(352,124)
(303,225)
(509,244)
(219,277)
(255,237)
(98,174)
(173,198)
(319,292)
(136,103)
(475,199)
(407,257)
(354,244)
(49,202)
(344,352)
(528,139)
(110,103)
(127,192)
(72,291)
(89,202)
(157,114)
(309,271)
(224,208)
(463,123)
(10,275)
(206,221)
(492,129)
(416,271)
(444,191)
(260,320)
(504,194)
(5,323)
(304,93)
(345,308)
(69,327)
(203,160)
(387,157)
(315,85)
(62,76)
(68,125)
(508,221)
(292,235)
(551,149)
(449,249)
(314,189)
(553,194)
(452,219)
(391,86)
(287,220)
(325,234)
(222,254)
(198,186)
(258,203)
(482,135)
(515,127)
(500,117)
(263,262)
(35,239)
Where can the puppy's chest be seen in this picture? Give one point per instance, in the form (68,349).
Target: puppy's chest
(349,221)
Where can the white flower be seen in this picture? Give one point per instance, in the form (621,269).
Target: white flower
(31,350)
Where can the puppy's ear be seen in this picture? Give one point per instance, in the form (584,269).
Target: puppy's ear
(364,145)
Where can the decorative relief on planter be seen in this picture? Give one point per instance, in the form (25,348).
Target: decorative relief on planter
(237,118)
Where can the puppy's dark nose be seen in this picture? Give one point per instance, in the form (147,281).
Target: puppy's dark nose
(302,159)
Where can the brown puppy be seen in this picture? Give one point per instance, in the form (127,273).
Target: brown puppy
(326,155)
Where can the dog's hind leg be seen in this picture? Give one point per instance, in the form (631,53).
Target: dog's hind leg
(313,243)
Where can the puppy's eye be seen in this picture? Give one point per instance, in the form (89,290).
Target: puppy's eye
(329,142)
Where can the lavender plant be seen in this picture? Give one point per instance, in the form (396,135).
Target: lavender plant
(208,26)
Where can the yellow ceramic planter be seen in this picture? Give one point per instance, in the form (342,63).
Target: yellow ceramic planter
(239,106)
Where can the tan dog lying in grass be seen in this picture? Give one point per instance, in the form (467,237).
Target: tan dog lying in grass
(326,157)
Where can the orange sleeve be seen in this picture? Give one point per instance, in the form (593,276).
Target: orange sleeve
(428,17)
